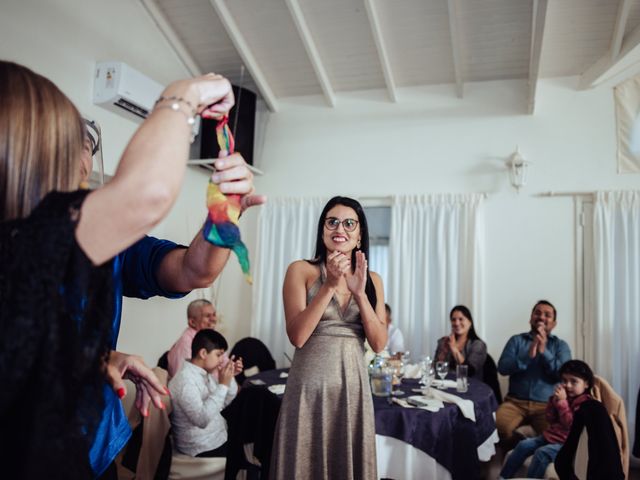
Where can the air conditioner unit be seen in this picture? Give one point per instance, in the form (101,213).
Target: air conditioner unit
(122,89)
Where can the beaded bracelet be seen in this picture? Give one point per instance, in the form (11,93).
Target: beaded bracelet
(175,106)
(179,100)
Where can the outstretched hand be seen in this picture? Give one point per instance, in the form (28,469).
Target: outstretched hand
(131,367)
(234,177)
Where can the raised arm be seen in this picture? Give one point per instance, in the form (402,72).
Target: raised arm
(302,319)
(199,265)
(150,172)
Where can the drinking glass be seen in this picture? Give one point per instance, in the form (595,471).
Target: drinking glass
(427,374)
(462,378)
(442,368)
(397,366)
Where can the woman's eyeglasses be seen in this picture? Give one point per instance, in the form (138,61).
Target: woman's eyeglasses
(332,223)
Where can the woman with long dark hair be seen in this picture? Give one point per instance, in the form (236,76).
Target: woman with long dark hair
(333,302)
(462,346)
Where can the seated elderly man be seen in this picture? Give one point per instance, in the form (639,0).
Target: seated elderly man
(201,314)
(532,361)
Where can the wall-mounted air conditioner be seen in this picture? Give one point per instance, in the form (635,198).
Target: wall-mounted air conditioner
(122,89)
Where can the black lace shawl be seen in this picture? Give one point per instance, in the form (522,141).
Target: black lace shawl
(56,311)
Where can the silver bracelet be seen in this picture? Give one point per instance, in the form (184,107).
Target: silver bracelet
(175,98)
(175,106)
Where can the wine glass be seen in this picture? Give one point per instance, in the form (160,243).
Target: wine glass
(397,366)
(442,368)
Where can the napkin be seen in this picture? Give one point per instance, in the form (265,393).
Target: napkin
(412,370)
(433,405)
(277,389)
(445,383)
(465,406)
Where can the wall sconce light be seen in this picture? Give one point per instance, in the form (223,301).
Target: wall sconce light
(518,169)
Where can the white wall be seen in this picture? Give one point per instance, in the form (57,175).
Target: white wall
(430,141)
(63,39)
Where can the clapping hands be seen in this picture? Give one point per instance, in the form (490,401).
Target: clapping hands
(357,281)
(560,393)
(339,265)
(539,341)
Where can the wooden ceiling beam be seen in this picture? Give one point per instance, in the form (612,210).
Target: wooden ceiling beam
(619,49)
(312,51)
(378,38)
(538,20)
(454,32)
(621,25)
(151,7)
(245,54)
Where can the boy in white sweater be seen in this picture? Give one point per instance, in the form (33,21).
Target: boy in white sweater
(198,428)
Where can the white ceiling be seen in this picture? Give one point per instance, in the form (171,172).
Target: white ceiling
(323,47)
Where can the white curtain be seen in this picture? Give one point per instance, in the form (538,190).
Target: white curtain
(615,332)
(435,262)
(286,232)
(378,261)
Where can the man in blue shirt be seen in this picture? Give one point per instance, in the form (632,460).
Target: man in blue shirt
(532,361)
(157,267)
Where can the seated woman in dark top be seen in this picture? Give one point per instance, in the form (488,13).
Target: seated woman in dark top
(462,346)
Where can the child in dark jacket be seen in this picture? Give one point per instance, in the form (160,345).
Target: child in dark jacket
(577,380)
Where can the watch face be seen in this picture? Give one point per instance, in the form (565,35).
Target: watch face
(94,137)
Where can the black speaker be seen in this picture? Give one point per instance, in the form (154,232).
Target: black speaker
(242,122)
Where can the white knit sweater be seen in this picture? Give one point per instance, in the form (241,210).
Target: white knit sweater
(197,401)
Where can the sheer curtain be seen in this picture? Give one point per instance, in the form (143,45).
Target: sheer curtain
(615,329)
(435,262)
(286,232)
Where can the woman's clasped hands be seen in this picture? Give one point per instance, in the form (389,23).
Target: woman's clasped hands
(339,265)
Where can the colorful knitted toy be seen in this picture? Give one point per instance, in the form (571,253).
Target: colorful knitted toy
(221,227)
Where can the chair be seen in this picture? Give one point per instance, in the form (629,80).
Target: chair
(163,361)
(598,437)
(490,377)
(603,457)
(251,421)
(614,405)
(255,355)
(196,468)
(149,453)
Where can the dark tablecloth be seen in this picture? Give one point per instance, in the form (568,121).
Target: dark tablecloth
(447,436)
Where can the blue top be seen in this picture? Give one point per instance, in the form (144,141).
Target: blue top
(133,276)
(532,378)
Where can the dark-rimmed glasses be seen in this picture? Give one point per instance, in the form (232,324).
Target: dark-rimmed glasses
(332,223)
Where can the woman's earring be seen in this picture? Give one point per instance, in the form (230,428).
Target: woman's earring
(358,244)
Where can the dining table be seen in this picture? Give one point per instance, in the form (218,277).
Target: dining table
(416,443)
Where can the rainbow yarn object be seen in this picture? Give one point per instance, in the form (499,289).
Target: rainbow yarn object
(221,227)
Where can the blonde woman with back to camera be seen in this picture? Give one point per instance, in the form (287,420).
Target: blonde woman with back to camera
(63,270)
